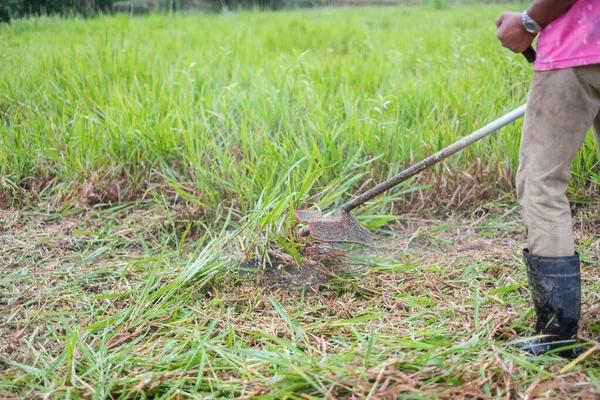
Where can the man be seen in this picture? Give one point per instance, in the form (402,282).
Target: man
(563,102)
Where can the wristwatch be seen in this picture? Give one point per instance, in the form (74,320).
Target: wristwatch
(529,23)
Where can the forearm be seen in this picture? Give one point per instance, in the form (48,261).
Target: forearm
(546,11)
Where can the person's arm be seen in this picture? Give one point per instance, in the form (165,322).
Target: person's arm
(511,31)
(545,11)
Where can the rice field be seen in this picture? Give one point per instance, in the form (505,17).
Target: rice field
(148,167)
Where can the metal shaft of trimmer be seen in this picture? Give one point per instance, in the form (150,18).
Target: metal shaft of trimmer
(435,158)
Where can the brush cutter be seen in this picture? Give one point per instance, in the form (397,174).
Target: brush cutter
(342,226)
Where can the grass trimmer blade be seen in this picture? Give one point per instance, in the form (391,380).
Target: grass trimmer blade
(341,226)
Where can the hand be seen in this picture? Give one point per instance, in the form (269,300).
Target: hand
(512,33)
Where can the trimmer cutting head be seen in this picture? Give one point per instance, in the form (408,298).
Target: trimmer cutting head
(340,226)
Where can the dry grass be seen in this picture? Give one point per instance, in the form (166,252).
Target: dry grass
(427,314)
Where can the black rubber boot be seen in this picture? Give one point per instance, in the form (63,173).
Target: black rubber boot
(555,284)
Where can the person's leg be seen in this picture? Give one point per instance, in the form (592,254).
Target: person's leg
(561,107)
(560,110)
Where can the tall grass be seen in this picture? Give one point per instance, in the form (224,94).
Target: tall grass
(244,105)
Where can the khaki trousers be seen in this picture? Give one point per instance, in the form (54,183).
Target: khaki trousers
(561,107)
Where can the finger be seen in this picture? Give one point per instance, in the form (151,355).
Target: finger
(499,21)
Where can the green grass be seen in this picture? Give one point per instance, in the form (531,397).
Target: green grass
(141,158)
(233,104)
(251,110)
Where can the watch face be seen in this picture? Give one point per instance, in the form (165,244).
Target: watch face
(530,27)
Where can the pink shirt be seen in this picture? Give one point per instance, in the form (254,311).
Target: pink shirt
(571,40)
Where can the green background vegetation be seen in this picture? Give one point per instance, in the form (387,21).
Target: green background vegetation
(256,107)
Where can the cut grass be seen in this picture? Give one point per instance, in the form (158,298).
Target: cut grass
(103,306)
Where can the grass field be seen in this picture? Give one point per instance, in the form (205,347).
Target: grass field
(147,171)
